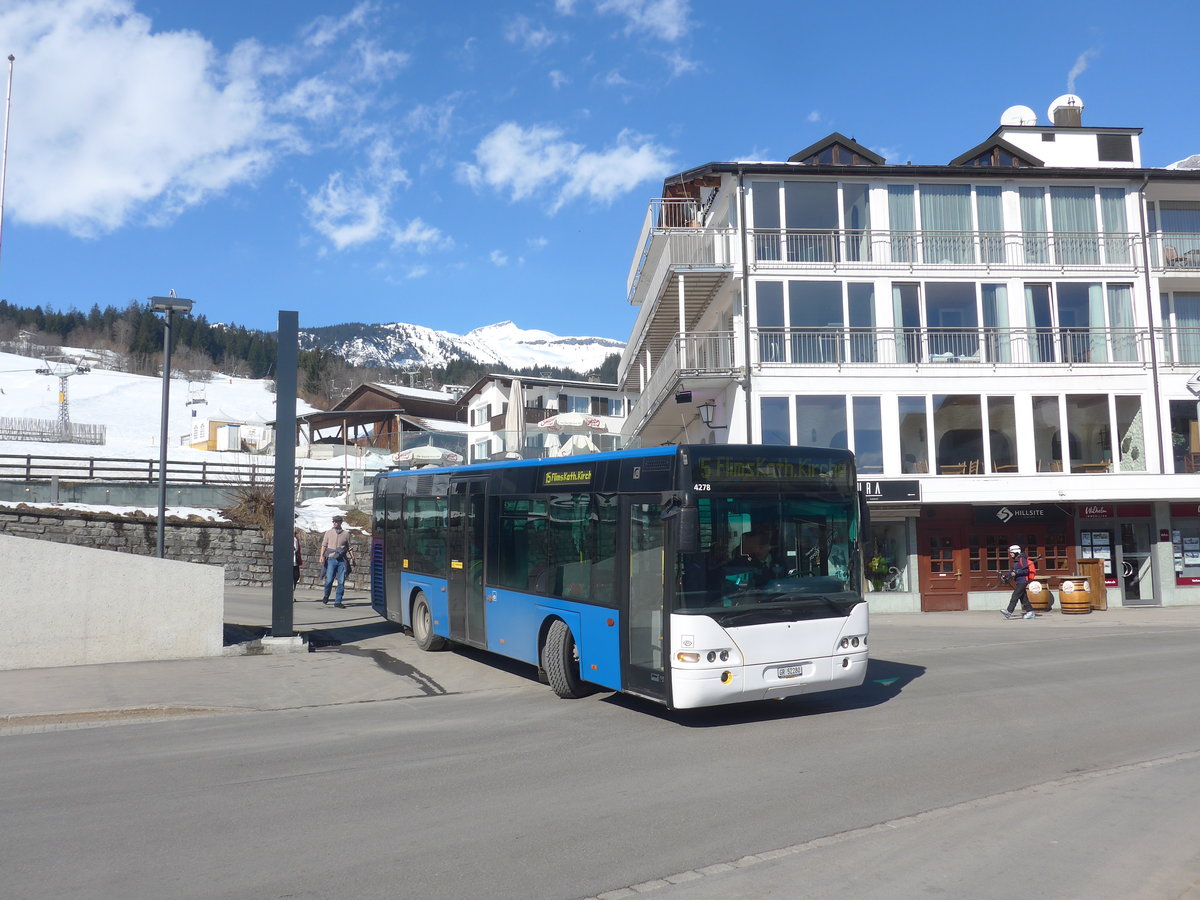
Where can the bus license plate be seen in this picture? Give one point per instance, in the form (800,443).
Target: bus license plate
(790,671)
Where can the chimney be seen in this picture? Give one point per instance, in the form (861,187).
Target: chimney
(1067,111)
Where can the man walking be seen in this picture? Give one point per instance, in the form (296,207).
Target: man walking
(1018,574)
(336,555)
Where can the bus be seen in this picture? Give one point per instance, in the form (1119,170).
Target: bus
(690,575)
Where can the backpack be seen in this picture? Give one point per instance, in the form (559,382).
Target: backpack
(1032,574)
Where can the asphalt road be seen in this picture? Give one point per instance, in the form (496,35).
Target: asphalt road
(980,759)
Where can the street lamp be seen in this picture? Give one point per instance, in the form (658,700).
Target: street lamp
(170,305)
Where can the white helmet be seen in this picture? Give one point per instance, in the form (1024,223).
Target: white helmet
(1014,549)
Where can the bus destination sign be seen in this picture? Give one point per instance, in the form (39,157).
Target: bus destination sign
(566,477)
(766,468)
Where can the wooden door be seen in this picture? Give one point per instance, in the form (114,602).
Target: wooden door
(943,564)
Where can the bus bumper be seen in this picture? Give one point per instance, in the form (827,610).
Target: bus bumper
(692,687)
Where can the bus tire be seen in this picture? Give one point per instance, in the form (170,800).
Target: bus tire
(560,660)
(422,625)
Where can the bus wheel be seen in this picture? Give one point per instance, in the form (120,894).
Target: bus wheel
(560,659)
(422,625)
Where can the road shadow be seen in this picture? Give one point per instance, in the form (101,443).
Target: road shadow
(885,680)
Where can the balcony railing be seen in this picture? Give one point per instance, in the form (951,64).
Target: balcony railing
(699,353)
(1175,251)
(1014,249)
(940,346)
(1179,346)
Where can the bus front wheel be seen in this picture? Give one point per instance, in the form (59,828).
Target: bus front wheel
(422,625)
(560,660)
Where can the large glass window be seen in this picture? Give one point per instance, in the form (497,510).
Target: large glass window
(902,220)
(856,208)
(906,312)
(913,435)
(821,422)
(776,427)
(1080,309)
(1075,232)
(868,435)
(816,321)
(887,557)
(861,301)
(958,427)
(1090,433)
(1182,336)
(1047,434)
(1116,229)
(1179,221)
(1185,436)
(997,334)
(950,313)
(1002,433)
(946,227)
(811,211)
(1120,321)
(768,311)
(425,534)
(764,204)
(1131,437)
(991,223)
(1033,222)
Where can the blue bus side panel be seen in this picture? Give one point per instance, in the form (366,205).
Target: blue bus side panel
(514,621)
(435,593)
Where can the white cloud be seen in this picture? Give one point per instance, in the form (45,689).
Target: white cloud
(558,79)
(418,272)
(348,214)
(112,120)
(814,116)
(538,243)
(498,258)
(538,160)
(614,79)
(324,30)
(376,63)
(420,235)
(680,64)
(564,7)
(665,19)
(523,31)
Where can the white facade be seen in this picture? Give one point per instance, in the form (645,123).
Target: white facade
(1005,342)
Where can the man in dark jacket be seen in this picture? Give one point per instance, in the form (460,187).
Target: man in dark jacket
(1019,576)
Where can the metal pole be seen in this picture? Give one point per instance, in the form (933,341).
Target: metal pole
(162,436)
(285,475)
(4,159)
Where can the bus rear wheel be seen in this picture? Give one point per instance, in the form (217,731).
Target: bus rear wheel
(560,660)
(422,625)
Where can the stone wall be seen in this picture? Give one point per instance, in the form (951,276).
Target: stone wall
(244,552)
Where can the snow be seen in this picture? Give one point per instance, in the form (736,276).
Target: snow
(130,406)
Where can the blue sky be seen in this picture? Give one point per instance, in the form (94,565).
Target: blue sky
(458,164)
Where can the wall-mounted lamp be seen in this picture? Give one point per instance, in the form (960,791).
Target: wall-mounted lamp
(706,410)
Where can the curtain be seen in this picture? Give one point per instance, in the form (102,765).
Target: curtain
(1035,345)
(1116,230)
(946,212)
(1097,345)
(857,210)
(1120,320)
(1033,222)
(997,334)
(991,223)
(902,221)
(1074,212)
(1187,327)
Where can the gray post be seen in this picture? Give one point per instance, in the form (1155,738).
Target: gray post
(285,474)
(162,437)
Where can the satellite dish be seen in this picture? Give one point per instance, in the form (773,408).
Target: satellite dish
(1018,115)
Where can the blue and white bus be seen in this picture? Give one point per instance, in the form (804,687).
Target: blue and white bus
(690,575)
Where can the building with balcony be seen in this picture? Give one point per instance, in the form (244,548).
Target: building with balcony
(532,417)
(1005,341)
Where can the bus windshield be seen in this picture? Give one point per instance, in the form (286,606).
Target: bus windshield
(776,553)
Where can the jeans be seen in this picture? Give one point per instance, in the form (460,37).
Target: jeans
(1019,593)
(335,568)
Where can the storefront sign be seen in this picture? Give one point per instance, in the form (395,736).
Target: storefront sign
(1020,515)
(1134,511)
(1186,581)
(889,491)
(1094,511)
(1185,510)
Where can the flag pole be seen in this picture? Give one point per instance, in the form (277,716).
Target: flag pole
(4,158)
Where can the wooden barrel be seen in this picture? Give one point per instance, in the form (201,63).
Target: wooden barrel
(1039,598)
(1074,597)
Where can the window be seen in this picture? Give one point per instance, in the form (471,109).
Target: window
(425,534)
(764,205)
(768,311)
(912,416)
(1116,236)
(1074,212)
(1114,147)
(776,426)
(1182,335)
(958,426)
(1002,433)
(1090,433)
(868,434)
(821,422)
(816,321)
(1046,434)
(1131,438)
(811,215)
(1185,436)
(856,210)
(1033,223)
(902,221)
(861,305)
(946,226)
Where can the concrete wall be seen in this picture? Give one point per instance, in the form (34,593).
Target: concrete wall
(244,552)
(67,605)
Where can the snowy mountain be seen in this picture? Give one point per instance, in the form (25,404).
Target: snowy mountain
(1191,162)
(400,345)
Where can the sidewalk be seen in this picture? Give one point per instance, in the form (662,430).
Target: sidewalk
(368,659)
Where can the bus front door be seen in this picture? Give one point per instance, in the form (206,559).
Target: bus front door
(645,669)
(464,580)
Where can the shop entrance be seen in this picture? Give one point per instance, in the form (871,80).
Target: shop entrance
(943,562)
(1133,565)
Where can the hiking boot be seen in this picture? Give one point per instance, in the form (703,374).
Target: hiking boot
(343,606)
(1006,613)
(1029,615)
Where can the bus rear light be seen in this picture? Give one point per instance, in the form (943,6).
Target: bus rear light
(712,655)
(853,642)
(685,657)
(724,656)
